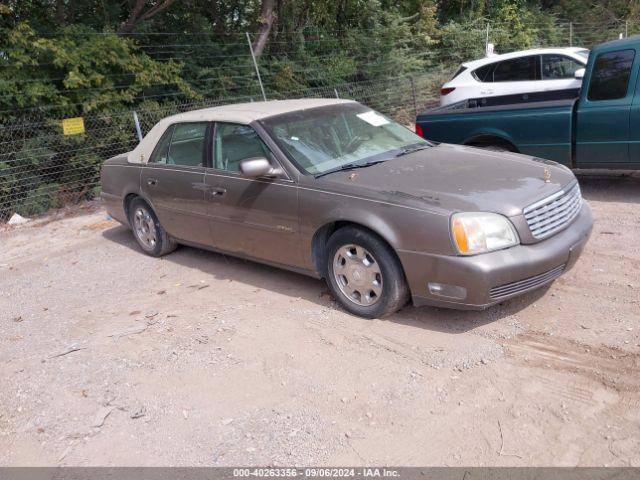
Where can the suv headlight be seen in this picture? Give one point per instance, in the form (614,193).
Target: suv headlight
(480,232)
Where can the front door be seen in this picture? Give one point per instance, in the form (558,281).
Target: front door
(252,217)
(173,181)
(602,116)
(558,73)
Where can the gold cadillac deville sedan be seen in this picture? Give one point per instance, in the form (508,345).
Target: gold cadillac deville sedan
(332,189)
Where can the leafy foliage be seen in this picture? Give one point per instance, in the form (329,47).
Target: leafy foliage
(66,58)
(79,71)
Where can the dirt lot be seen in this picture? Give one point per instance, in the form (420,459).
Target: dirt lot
(201,359)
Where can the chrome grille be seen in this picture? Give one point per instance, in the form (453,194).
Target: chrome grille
(552,214)
(526,284)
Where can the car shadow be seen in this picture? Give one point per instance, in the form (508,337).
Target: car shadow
(295,285)
(610,185)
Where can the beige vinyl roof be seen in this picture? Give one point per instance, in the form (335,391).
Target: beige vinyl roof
(248,112)
(237,113)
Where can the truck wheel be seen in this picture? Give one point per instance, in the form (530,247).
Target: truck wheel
(152,238)
(364,274)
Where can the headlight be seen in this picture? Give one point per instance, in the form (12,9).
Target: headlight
(478,232)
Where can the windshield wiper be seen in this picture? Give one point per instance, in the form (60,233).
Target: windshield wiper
(407,151)
(349,166)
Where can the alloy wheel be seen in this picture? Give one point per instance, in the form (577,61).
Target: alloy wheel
(358,275)
(145,228)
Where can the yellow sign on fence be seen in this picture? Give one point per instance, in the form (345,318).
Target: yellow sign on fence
(73,126)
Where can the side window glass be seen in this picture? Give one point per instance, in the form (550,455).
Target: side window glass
(484,74)
(187,144)
(161,152)
(234,143)
(516,70)
(556,67)
(610,77)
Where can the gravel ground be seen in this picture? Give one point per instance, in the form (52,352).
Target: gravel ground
(110,357)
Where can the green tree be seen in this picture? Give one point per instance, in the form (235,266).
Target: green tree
(80,70)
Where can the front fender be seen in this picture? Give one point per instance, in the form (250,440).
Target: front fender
(402,227)
(367,218)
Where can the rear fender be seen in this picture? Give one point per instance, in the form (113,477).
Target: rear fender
(483,134)
(118,180)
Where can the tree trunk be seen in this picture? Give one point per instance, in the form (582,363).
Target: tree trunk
(218,12)
(267,17)
(138,15)
(60,12)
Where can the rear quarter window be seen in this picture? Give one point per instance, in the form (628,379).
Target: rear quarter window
(611,73)
(484,73)
(161,152)
(459,71)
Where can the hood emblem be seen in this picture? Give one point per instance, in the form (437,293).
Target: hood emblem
(546,175)
(353,176)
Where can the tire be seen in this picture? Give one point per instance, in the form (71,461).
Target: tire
(152,238)
(364,274)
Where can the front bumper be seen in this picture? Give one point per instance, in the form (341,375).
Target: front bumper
(493,277)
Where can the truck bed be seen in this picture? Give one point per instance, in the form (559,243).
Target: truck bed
(540,128)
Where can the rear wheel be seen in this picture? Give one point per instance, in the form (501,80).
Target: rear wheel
(152,238)
(364,274)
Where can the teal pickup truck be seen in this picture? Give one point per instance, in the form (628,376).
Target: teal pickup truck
(598,129)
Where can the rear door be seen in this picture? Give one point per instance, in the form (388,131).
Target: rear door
(516,75)
(603,112)
(173,181)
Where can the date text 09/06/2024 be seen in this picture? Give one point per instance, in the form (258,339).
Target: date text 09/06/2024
(315,472)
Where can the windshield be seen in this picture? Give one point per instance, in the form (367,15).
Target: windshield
(327,138)
(584,54)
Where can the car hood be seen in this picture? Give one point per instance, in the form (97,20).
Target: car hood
(455,178)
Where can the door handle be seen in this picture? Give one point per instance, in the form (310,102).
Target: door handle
(218,192)
(152,182)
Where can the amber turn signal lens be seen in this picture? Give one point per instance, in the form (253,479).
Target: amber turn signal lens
(460,236)
(480,232)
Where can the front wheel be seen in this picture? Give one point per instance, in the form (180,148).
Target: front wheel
(152,238)
(364,274)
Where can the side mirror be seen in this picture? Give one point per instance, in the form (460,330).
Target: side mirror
(258,167)
(579,74)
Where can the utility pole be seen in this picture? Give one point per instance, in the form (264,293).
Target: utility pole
(255,64)
(571,34)
(415,97)
(486,42)
(137,122)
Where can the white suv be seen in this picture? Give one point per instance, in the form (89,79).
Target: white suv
(527,71)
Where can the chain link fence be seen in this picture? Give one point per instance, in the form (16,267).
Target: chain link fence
(41,168)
